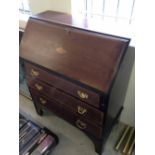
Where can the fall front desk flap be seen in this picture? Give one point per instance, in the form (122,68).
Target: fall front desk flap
(54,41)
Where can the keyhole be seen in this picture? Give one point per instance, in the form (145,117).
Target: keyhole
(68,31)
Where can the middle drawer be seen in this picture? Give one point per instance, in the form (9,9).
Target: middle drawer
(72,103)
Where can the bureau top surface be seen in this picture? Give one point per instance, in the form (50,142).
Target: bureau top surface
(54,41)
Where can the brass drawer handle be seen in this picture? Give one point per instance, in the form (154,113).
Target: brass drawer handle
(34,73)
(81,125)
(82,94)
(43,101)
(38,86)
(81,110)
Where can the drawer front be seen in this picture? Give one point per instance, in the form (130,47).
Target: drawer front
(72,103)
(83,94)
(61,110)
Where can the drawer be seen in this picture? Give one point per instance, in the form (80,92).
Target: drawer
(62,110)
(75,105)
(76,90)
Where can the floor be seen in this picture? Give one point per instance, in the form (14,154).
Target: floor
(72,141)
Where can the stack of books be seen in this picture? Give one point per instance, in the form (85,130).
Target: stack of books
(34,140)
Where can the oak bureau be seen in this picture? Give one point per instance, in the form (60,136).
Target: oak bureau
(70,71)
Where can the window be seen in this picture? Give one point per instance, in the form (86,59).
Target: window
(24,7)
(108,10)
(115,17)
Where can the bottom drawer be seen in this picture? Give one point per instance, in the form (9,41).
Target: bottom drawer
(61,110)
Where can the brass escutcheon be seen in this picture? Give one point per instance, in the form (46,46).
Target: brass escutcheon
(81,110)
(39,87)
(43,101)
(82,94)
(34,73)
(81,125)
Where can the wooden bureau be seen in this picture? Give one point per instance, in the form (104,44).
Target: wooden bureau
(70,71)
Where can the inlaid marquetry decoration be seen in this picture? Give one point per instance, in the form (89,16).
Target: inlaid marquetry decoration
(60,50)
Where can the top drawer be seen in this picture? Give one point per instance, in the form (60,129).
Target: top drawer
(83,94)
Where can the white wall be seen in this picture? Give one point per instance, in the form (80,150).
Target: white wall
(125,82)
(128,114)
(38,6)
